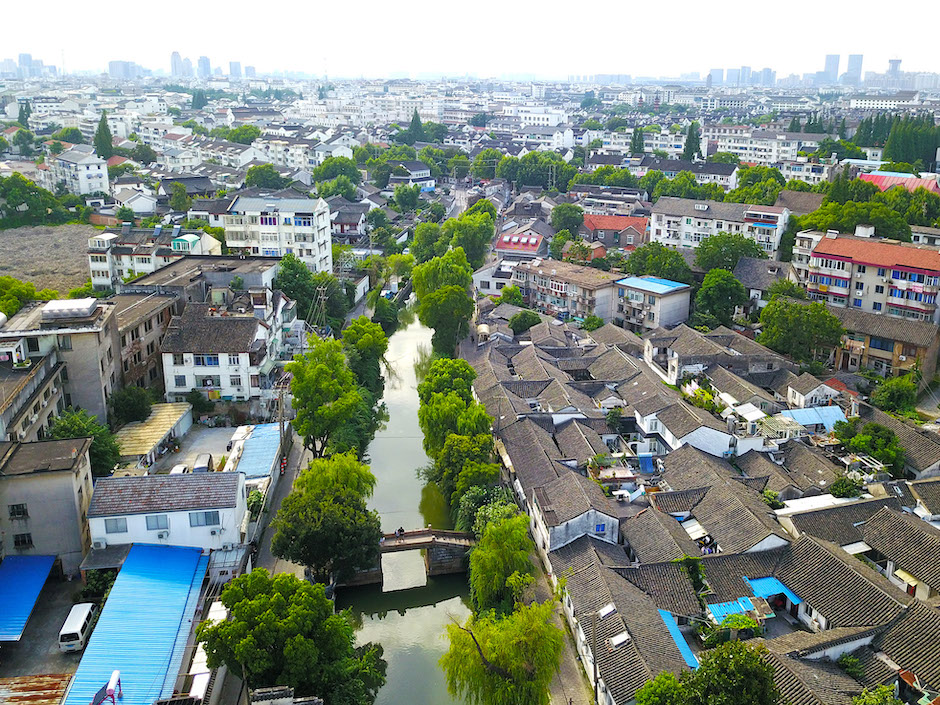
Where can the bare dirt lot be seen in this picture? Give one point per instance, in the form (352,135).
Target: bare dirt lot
(48,256)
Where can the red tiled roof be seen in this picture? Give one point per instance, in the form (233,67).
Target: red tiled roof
(615,222)
(65,145)
(532,244)
(911,183)
(879,252)
(115,160)
(10,130)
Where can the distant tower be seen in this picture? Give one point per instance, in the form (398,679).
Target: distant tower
(832,68)
(894,68)
(176,65)
(853,73)
(204,68)
(745,75)
(718,76)
(249,72)
(187,67)
(234,69)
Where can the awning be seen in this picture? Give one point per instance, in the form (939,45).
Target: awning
(21,581)
(677,637)
(906,577)
(856,548)
(720,610)
(267,366)
(768,587)
(695,530)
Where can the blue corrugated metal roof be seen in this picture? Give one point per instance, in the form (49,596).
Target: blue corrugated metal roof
(21,581)
(260,451)
(721,610)
(646,463)
(654,285)
(768,587)
(825,415)
(679,639)
(150,609)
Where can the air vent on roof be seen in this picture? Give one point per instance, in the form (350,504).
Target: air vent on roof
(701,206)
(606,610)
(69,308)
(619,639)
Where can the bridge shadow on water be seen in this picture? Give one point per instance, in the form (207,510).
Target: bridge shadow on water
(370,601)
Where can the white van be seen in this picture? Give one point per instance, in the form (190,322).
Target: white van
(179,470)
(203,463)
(78,625)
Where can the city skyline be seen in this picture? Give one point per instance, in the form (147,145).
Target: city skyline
(373,55)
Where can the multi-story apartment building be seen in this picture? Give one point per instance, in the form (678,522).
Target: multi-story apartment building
(30,391)
(281,226)
(83,335)
(78,170)
(878,276)
(804,170)
(683,222)
(142,321)
(758,146)
(228,348)
(566,290)
(803,246)
(725,175)
(121,253)
(648,303)
(45,491)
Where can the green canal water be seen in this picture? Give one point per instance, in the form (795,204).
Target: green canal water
(408,614)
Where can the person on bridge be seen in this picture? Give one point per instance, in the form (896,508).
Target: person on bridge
(400,533)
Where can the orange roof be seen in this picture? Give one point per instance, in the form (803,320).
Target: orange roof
(886,180)
(615,222)
(881,253)
(115,160)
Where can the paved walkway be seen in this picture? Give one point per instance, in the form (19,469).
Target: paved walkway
(570,685)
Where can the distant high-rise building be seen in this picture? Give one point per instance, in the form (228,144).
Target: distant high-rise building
(768,77)
(187,68)
(733,77)
(831,72)
(745,75)
(123,70)
(249,72)
(204,68)
(894,67)
(234,69)
(176,65)
(25,61)
(853,73)
(718,76)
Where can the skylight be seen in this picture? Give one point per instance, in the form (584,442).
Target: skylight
(607,610)
(619,639)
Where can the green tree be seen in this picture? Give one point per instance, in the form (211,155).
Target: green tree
(450,268)
(104,146)
(444,376)
(337,166)
(799,330)
(284,630)
(386,315)
(724,158)
(637,145)
(462,458)
(880,695)
(131,404)
(522,321)
(265,176)
(69,134)
(24,113)
(429,242)
(786,287)
(472,231)
(22,202)
(325,394)
(503,551)
(657,260)
(458,166)
(244,134)
(592,323)
(664,689)
(875,440)
(484,164)
(844,217)
(340,186)
(407,197)
(24,139)
(376,218)
(567,216)
(509,661)
(734,673)
(557,246)
(693,146)
(448,311)
(4,145)
(479,120)
(725,249)
(179,199)
(511,295)
(845,487)
(898,395)
(104,452)
(720,294)
(125,214)
(366,344)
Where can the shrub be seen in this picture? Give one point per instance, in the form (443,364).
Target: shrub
(845,486)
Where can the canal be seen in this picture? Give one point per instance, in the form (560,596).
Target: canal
(408,614)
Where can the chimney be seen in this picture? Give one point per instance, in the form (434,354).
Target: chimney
(864,230)
(126,228)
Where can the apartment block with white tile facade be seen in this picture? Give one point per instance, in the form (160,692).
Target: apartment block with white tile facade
(684,222)
(875,275)
(567,290)
(764,147)
(281,226)
(78,170)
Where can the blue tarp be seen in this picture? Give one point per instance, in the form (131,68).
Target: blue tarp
(646,463)
(721,610)
(149,611)
(816,416)
(679,639)
(768,587)
(21,581)
(260,451)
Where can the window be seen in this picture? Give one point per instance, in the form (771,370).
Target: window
(204,519)
(233,359)
(115,526)
(879,289)
(65,342)
(156,522)
(881,271)
(860,269)
(857,303)
(652,300)
(206,360)
(148,326)
(235,381)
(881,343)
(151,348)
(859,286)
(269,220)
(600,528)
(650,316)
(177,358)
(179,381)
(22,540)
(876,306)
(18,511)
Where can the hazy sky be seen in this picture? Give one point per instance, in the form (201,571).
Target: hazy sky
(548,38)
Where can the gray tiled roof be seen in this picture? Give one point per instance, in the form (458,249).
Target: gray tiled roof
(725,572)
(117,496)
(811,682)
(921,448)
(913,642)
(799,202)
(570,496)
(841,523)
(912,543)
(807,467)
(686,208)
(195,331)
(760,274)
(928,492)
(667,583)
(918,333)
(655,536)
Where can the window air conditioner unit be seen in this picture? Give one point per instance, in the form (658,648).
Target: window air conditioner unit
(227,546)
(902,358)
(213,532)
(162,534)
(100,544)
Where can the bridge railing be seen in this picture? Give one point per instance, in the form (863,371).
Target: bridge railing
(427,533)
